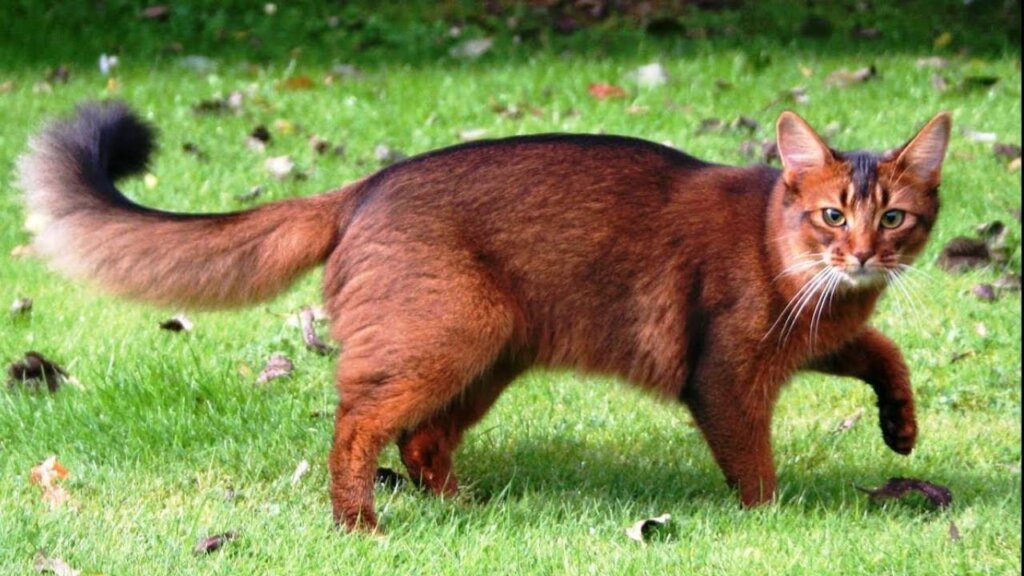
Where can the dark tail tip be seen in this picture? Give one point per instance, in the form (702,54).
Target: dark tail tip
(107,136)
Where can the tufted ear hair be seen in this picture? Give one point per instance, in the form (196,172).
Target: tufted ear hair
(800,147)
(921,158)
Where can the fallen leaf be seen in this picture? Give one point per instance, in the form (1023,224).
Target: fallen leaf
(46,565)
(1009,151)
(318,144)
(1008,282)
(388,478)
(36,369)
(709,125)
(745,123)
(211,106)
(59,75)
(797,95)
(943,40)
(972,83)
(192,149)
(387,155)
(650,75)
(939,83)
(23,251)
(866,32)
(213,543)
(297,83)
(300,471)
(843,77)
(984,292)
(251,195)
(471,134)
(637,109)
(278,366)
(46,475)
(899,487)
(980,329)
(954,532)
(962,253)
(258,138)
(198,64)
(178,323)
(848,422)
(958,356)
(642,530)
(21,306)
(156,12)
(932,62)
(107,63)
(471,49)
(284,126)
(1013,166)
(977,136)
(309,336)
(603,91)
(280,167)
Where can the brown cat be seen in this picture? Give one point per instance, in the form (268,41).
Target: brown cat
(450,273)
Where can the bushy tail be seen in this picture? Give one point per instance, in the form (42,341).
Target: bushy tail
(89,229)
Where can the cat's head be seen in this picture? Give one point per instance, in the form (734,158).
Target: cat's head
(857,217)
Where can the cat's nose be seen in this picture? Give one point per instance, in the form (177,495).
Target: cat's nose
(862,257)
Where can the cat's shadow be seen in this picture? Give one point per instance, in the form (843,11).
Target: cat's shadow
(603,473)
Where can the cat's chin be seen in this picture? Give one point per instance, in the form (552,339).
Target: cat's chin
(862,279)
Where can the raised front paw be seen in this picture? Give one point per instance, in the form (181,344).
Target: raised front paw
(899,426)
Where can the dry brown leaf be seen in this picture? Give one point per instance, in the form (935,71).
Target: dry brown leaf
(297,83)
(46,565)
(278,366)
(641,530)
(603,91)
(954,532)
(899,487)
(963,253)
(214,543)
(300,471)
(307,318)
(177,323)
(984,292)
(46,475)
(280,167)
(843,77)
(156,12)
(22,306)
(35,370)
(849,422)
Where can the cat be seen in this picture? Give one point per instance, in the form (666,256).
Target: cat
(450,273)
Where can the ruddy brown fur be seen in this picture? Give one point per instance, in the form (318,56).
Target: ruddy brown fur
(450,273)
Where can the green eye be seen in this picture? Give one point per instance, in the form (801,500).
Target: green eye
(892,219)
(833,217)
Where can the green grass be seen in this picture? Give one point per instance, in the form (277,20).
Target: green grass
(168,441)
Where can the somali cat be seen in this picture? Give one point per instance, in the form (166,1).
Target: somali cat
(450,273)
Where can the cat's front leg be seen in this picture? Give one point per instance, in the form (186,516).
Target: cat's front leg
(735,418)
(876,360)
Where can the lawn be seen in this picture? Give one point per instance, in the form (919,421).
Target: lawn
(168,440)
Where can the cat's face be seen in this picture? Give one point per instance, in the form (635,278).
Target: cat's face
(856,219)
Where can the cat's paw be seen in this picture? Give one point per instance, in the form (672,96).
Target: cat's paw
(899,426)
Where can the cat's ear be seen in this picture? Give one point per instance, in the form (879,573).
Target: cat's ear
(800,147)
(922,157)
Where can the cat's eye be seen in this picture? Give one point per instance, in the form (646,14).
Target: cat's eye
(892,219)
(833,217)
